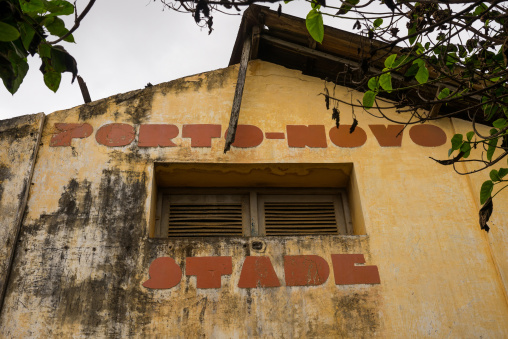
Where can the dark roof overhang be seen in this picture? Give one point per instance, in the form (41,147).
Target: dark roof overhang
(341,58)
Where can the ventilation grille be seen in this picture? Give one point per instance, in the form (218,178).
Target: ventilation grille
(300,218)
(205,220)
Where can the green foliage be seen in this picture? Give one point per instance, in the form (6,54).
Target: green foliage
(445,92)
(492,145)
(368,99)
(52,80)
(466,149)
(499,123)
(24,27)
(385,80)
(502,173)
(314,24)
(486,191)
(347,5)
(373,84)
(422,76)
(457,141)
(390,60)
(470,135)
(8,32)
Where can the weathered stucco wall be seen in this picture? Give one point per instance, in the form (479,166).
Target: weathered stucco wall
(498,234)
(19,142)
(84,251)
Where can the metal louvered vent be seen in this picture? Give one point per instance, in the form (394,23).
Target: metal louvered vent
(205,220)
(300,218)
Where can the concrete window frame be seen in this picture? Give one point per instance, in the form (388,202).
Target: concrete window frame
(256,178)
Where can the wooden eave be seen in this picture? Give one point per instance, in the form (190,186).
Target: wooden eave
(285,41)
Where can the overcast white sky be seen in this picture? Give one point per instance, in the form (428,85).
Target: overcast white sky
(124,44)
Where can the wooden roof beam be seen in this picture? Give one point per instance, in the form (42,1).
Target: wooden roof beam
(237,101)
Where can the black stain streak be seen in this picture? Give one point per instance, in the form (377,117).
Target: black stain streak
(357,314)
(140,108)
(5,174)
(93,109)
(100,304)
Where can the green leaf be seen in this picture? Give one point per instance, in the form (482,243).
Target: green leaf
(444,93)
(52,80)
(378,22)
(29,6)
(419,62)
(373,84)
(20,70)
(494,175)
(314,4)
(314,23)
(502,172)
(499,123)
(412,30)
(385,80)
(404,59)
(347,5)
(27,34)
(63,61)
(492,148)
(412,71)
(486,191)
(456,141)
(56,26)
(470,135)
(423,75)
(450,151)
(8,32)
(60,7)
(45,50)
(480,9)
(389,61)
(466,148)
(368,99)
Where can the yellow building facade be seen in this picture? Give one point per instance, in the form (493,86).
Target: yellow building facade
(87,251)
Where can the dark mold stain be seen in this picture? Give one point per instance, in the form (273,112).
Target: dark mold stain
(93,109)
(357,314)
(19,127)
(116,212)
(180,85)
(139,108)
(5,175)
(216,78)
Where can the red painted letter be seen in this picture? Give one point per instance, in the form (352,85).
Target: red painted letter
(115,135)
(201,135)
(69,132)
(164,273)
(247,136)
(310,136)
(305,270)
(258,272)
(346,273)
(388,136)
(342,138)
(208,270)
(427,135)
(157,135)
